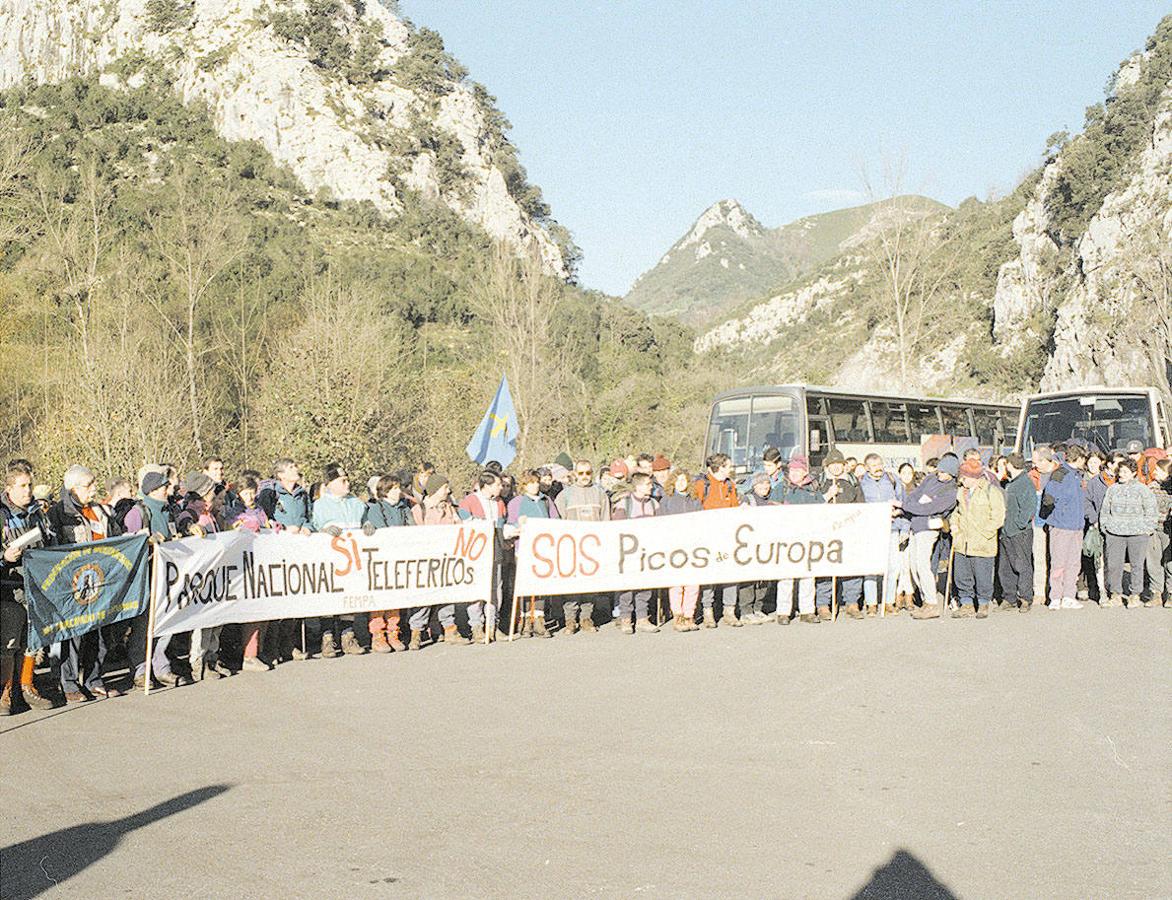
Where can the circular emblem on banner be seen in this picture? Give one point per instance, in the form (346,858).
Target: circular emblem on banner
(87,582)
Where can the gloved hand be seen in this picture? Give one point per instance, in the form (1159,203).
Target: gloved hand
(368,528)
(155,539)
(332,531)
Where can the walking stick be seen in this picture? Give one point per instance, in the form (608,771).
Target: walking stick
(304,645)
(948,577)
(513,616)
(834,599)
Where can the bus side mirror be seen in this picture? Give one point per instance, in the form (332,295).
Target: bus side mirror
(815,440)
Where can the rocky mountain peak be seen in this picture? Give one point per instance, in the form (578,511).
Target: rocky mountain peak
(727,213)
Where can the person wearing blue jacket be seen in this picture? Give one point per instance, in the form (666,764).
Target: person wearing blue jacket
(334,511)
(881,486)
(286,502)
(387,508)
(1063,508)
(798,488)
(926,507)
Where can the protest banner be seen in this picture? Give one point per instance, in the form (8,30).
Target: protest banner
(722,546)
(76,588)
(241,576)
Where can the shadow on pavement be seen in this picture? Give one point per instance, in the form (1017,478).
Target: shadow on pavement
(38,864)
(903,877)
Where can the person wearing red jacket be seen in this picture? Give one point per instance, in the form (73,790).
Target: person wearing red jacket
(717,491)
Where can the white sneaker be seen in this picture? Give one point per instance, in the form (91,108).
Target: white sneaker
(1055,605)
(1071,603)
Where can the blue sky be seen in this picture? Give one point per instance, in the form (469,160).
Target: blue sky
(634,117)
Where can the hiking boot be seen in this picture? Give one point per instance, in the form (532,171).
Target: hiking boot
(167,679)
(852,611)
(477,634)
(350,645)
(964,611)
(730,618)
(809,618)
(76,697)
(6,706)
(394,640)
(1025,606)
(646,626)
(537,627)
(378,643)
(298,654)
(328,648)
(221,669)
(197,670)
(1113,600)
(824,614)
(100,691)
(255,664)
(625,625)
(1133,601)
(709,618)
(927,611)
(872,611)
(587,624)
(571,626)
(416,639)
(782,619)
(34,698)
(677,623)
(453,638)
(890,610)
(1151,603)
(983,611)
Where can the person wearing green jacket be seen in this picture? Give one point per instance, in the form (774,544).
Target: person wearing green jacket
(1016,550)
(979,515)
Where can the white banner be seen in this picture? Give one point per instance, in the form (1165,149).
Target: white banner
(721,546)
(244,577)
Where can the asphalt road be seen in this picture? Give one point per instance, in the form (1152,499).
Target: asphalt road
(1020,756)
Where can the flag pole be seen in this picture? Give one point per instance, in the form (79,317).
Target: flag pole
(150,635)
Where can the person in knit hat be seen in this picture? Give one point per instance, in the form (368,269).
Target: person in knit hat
(436,509)
(661,472)
(979,515)
(797,488)
(926,507)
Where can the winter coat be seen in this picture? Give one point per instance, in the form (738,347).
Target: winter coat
(1021,505)
(717,494)
(1128,509)
(631,507)
(751,499)
(677,503)
(978,516)
(800,494)
(153,515)
(1094,490)
(473,507)
(384,514)
(584,504)
(194,511)
(16,521)
(1163,504)
(932,499)
(848,489)
(885,489)
(71,526)
(431,511)
(247,518)
(539,507)
(341,512)
(289,509)
(1063,505)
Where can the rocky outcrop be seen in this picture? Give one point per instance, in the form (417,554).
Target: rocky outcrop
(333,135)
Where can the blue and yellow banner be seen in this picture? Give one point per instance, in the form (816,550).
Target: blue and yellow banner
(76,588)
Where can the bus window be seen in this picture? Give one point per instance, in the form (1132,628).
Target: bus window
(728,431)
(923,420)
(988,424)
(774,423)
(849,419)
(889,421)
(956,421)
(1107,422)
(815,405)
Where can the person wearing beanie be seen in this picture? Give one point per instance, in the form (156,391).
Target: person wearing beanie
(196,518)
(1015,568)
(751,594)
(564,460)
(926,508)
(436,509)
(839,486)
(1063,509)
(530,503)
(798,488)
(582,501)
(335,511)
(979,515)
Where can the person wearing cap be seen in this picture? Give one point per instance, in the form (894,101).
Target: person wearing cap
(1063,509)
(485,504)
(839,486)
(979,515)
(799,488)
(19,516)
(582,501)
(435,508)
(926,508)
(661,472)
(880,486)
(1129,517)
(335,511)
(1015,566)
(717,490)
(751,594)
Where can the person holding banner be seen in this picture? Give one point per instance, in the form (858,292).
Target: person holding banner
(387,509)
(751,594)
(335,511)
(485,503)
(436,509)
(880,486)
(926,507)
(22,525)
(638,504)
(287,504)
(77,519)
(531,504)
(798,488)
(839,486)
(717,491)
(196,519)
(582,501)
(152,515)
(678,499)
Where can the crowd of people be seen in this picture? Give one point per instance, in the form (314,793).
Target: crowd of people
(1070,524)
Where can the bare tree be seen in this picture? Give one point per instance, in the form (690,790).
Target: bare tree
(520,303)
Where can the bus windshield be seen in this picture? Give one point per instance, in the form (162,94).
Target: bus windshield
(743,427)
(1104,421)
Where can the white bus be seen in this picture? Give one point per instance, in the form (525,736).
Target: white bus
(803,420)
(1105,418)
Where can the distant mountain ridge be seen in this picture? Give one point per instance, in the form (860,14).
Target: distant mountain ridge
(728,257)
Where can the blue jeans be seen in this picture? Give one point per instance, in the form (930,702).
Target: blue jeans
(728,596)
(973,577)
(849,591)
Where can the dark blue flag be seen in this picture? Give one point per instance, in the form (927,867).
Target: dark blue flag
(76,588)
